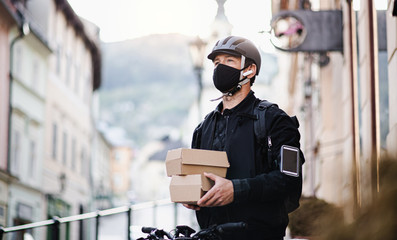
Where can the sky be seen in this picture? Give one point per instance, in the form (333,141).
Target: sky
(120,20)
(127,19)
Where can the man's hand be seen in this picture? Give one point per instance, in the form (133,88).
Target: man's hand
(222,193)
(191,206)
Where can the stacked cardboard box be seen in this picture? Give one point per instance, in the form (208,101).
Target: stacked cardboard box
(187,167)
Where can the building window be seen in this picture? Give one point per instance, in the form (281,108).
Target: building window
(58,59)
(18,59)
(87,89)
(16,147)
(383,75)
(117,180)
(73,154)
(33,159)
(77,79)
(35,75)
(118,156)
(68,69)
(54,140)
(82,159)
(64,148)
(58,207)
(383,98)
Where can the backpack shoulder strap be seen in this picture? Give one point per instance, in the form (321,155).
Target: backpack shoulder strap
(260,123)
(260,132)
(196,141)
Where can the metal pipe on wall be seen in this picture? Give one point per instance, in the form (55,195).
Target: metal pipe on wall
(356,177)
(374,97)
(23,31)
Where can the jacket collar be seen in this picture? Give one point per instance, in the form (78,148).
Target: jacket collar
(240,107)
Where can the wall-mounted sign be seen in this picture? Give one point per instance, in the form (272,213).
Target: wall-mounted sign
(307,31)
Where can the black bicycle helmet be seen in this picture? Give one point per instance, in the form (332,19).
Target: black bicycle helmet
(237,46)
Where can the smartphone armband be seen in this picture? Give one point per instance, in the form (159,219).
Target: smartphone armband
(290,162)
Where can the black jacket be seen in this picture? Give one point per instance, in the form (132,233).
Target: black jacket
(259,189)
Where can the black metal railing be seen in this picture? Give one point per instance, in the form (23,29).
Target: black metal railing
(55,222)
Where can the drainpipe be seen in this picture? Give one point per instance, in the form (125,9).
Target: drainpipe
(25,30)
(374,98)
(356,176)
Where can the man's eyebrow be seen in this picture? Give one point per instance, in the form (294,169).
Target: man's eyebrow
(226,56)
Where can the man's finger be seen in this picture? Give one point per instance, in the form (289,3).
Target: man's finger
(203,200)
(207,199)
(211,176)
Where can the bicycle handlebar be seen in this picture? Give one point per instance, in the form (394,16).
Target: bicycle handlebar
(213,232)
(218,230)
(229,227)
(147,229)
(157,233)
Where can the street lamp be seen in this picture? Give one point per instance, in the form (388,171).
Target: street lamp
(197,52)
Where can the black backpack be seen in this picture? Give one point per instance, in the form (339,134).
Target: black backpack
(292,200)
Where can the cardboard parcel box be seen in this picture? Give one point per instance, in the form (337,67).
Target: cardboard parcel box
(189,188)
(184,161)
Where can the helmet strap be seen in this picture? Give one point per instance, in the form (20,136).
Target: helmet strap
(242,66)
(238,87)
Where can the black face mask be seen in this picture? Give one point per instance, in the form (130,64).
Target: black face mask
(225,78)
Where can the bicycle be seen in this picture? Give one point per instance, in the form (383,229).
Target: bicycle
(183,232)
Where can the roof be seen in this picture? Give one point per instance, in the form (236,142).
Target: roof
(74,20)
(168,144)
(17,12)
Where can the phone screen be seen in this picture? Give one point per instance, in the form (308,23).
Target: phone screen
(289,160)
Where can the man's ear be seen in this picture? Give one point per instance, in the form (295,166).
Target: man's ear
(253,68)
